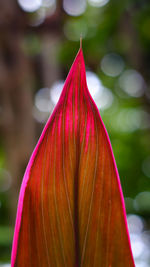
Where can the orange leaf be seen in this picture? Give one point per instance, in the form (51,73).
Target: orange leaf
(71,210)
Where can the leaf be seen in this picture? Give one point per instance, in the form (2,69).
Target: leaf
(71,210)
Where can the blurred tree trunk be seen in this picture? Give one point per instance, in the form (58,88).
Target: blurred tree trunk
(18,129)
(16,123)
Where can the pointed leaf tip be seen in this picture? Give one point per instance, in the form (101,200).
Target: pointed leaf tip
(81,42)
(71,209)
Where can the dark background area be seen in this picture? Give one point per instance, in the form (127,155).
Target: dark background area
(38,42)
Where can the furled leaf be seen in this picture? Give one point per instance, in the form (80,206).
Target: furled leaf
(71,210)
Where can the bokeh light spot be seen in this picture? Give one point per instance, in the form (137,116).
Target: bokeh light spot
(30,6)
(98,3)
(142,202)
(140,240)
(112,64)
(137,245)
(42,100)
(102,96)
(46,10)
(94,84)
(39,116)
(56,90)
(48,3)
(131,119)
(132,83)
(5,265)
(141,264)
(105,100)
(135,223)
(5,180)
(74,8)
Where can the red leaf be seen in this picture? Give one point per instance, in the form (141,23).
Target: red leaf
(71,209)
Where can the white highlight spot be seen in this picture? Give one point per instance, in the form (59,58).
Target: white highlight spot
(135,224)
(102,96)
(56,90)
(98,3)
(42,100)
(30,5)
(94,84)
(75,7)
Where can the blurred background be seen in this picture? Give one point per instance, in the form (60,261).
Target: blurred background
(38,42)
